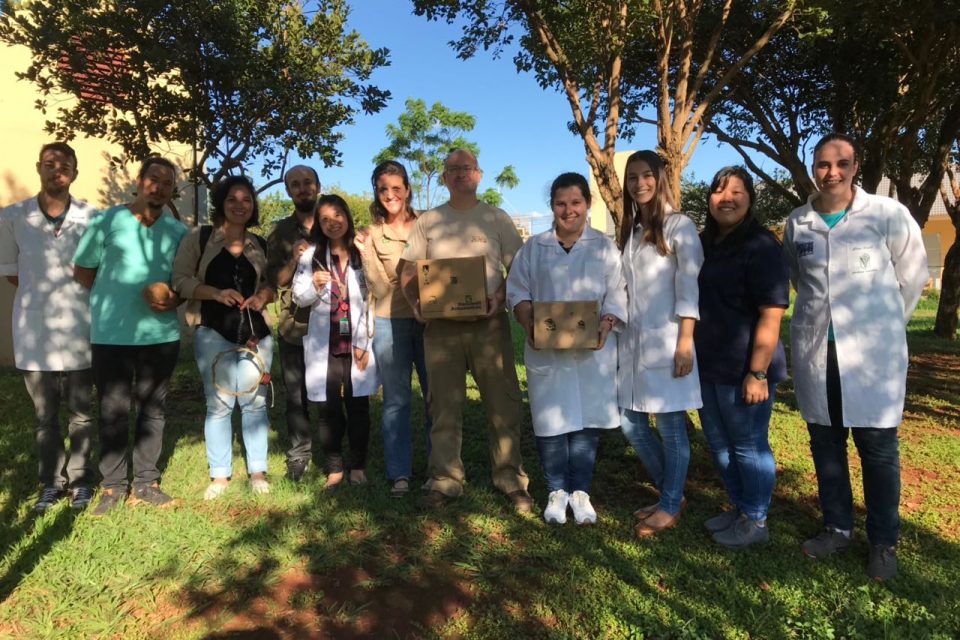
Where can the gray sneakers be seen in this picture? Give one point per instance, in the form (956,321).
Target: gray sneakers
(827,543)
(882,564)
(743,533)
(723,521)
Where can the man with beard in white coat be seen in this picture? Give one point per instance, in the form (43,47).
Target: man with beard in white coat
(858,265)
(51,323)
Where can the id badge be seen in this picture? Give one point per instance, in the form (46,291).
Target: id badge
(344,326)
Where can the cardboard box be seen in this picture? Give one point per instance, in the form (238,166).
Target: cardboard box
(566,325)
(452,287)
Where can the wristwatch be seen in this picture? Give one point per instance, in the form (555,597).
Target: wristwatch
(759,375)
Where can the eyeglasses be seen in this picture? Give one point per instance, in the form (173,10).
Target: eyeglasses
(461,169)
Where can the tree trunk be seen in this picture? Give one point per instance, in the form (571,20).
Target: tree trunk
(946,324)
(608,183)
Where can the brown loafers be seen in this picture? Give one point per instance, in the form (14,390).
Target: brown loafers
(644,528)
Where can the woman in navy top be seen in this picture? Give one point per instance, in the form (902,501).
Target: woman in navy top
(744,290)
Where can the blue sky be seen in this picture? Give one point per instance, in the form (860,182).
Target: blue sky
(517,122)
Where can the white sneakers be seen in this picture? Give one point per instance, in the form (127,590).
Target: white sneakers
(583,511)
(579,503)
(215,490)
(556,511)
(259,486)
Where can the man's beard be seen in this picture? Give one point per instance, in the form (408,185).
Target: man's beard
(56,190)
(304,206)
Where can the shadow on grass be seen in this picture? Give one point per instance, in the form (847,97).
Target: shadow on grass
(368,566)
(24,536)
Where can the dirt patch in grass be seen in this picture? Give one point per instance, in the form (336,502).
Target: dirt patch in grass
(347,603)
(934,375)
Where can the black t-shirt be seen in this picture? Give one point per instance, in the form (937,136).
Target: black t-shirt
(743,272)
(228,272)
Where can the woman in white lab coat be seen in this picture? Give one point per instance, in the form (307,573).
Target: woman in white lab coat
(340,370)
(572,392)
(858,264)
(657,371)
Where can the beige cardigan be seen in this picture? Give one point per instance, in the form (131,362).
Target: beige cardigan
(189,268)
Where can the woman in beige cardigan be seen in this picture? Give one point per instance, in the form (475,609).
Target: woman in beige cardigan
(398,337)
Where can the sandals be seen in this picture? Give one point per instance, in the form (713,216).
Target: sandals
(400,488)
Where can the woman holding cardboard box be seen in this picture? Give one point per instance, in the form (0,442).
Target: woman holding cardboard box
(657,376)
(398,336)
(572,391)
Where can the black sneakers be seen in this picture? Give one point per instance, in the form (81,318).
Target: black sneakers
(49,496)
(109,498)
(882,563)
(296,468)
(150,494)
(81,497)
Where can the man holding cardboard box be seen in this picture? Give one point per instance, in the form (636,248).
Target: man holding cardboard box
(461,335)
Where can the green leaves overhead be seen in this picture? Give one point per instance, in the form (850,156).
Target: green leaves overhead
(238,79)
(422,138)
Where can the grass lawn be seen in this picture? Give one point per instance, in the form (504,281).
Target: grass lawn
(300,563)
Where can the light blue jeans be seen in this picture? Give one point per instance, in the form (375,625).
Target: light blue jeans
(398,348)
(665,458)
(235,372)
(737,433)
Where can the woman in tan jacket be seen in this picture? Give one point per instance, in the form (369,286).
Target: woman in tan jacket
(398,337)
(220,271)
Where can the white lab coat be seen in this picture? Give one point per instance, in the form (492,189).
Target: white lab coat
(316,344)
(51,312)
(571,389)
(866,274)
(660,290)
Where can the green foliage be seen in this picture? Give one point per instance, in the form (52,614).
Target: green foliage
(239,80)
(491,196)
(770,206)
(507,178)
(694,195)
(422,138)
(276,205)
(359,204)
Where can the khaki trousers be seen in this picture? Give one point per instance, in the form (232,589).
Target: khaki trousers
(485,347)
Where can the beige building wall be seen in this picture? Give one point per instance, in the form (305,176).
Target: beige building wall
(600,218)
(22,132)
(938,236)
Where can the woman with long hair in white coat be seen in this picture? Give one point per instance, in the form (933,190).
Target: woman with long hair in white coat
(572,392)
(340,369)
(657,373)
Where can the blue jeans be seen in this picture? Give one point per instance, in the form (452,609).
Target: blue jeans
(879,451)
(568,459)
(235,372)
(665,458)
(738,437)
(398,348)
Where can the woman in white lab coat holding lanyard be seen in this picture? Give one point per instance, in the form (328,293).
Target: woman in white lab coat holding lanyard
(859,267)
(657,373)
(341,371)
(572,392)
